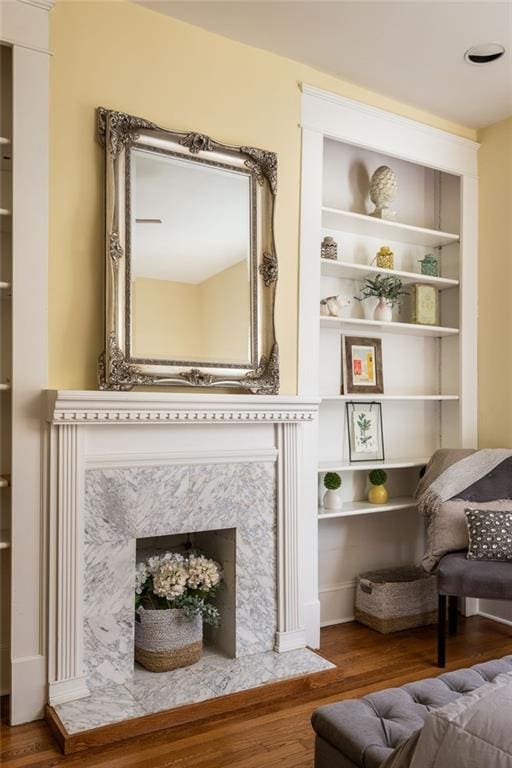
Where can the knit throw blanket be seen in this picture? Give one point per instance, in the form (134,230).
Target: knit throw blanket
(450,472)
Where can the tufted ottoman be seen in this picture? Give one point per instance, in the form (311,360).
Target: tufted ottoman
(362,733)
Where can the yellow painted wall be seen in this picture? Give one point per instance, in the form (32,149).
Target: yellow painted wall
(225,314)
(193,321)
(122,56)
(495,284)
(166,319)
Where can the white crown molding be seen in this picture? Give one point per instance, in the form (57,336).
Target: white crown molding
(373,112)
(95,407)
(342,119)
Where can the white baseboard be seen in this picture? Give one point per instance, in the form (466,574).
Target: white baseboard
(28,689)
(495,618)
(290,641)
(68,690)
(337,603)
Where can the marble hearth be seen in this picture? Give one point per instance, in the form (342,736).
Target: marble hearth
(128,466)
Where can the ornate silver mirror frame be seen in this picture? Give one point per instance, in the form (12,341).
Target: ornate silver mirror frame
(119,133)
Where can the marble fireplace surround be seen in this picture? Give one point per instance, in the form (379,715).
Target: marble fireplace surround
(106,449)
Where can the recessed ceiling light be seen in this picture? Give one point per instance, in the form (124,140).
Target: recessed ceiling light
(484,53)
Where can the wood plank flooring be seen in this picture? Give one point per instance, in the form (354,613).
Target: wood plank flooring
(275,735)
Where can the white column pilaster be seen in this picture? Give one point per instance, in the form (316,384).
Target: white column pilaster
(68,681)
(290,632)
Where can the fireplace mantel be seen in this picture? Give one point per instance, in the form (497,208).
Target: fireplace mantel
(85,431)
(95,407)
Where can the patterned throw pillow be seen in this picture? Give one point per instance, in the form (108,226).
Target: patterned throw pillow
(490,535)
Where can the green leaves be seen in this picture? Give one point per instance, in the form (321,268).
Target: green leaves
(378,477)
(332,481)
(385,287)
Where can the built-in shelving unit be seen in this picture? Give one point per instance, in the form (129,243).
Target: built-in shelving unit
(395,231)
(412,329)
(387,398)
(429,374)
(352,271)
(367,466)
(6,326)
(353,508)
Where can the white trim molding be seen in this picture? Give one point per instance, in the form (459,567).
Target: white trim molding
(71,407)
(110,429)
(356,123)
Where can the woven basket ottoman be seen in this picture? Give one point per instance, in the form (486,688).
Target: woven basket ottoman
(395,599)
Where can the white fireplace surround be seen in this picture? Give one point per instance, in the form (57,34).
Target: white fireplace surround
(110,429)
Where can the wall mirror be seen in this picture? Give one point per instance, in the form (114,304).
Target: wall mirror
(191,267)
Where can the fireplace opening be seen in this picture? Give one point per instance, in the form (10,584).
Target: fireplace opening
(219,545)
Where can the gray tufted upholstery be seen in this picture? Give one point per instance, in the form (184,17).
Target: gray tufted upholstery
(362,733)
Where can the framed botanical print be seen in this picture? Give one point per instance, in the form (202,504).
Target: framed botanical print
(365,431)
(363,365)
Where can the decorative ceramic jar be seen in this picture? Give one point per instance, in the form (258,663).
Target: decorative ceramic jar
(167,639)
(424,304)
(332,498)
(383,189)
(329,248)
(385,258)
(383,311)
(377,494)
(430,265)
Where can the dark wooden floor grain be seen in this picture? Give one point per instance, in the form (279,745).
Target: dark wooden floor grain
(275,735)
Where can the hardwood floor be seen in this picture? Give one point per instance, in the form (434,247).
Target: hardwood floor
(275,735)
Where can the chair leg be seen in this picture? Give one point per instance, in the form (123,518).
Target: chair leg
(441,631)
(453,614)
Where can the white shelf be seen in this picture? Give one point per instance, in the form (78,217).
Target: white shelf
(4,140)
(4,284)
(5,541)
(349,271)
(394,231)
(365,466)
(412,329)
(5,481)
(5,212)
(5,386)
(384,398)
(352,508)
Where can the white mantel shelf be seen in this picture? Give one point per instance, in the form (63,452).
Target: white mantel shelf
(97,407)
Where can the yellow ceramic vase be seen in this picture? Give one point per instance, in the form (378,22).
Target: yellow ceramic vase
(377,494)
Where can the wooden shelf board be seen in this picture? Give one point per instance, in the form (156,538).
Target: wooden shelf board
(365,466)
(384,398)
(412,329)
(352,508)
(394,231)
(350,271)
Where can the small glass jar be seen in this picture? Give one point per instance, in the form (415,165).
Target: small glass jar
(385,258)
(329,248)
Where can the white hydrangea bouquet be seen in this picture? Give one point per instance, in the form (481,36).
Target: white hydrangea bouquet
(179,581)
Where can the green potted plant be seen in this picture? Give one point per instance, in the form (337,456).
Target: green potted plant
(378,493)
(332,497)
(388,290)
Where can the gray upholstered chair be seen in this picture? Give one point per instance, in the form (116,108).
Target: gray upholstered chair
(459,577)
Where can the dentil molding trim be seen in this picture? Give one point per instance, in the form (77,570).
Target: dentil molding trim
(95,407)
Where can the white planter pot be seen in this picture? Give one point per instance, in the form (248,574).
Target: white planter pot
(383,311)
(332,499)
(369,305)
(167,639)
